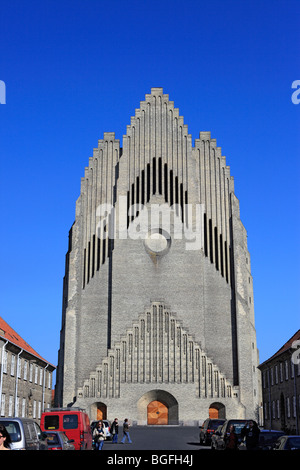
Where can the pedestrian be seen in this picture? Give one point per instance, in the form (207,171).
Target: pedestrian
(115,430)
(99,436)
(231,439)
(251,432)
(126,432)
(5,439)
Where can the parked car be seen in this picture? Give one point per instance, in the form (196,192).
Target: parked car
(106,425)
(267,439)
(25,434)
(58,440)
(74,422)
(288,443)
(218,439)
(207,430)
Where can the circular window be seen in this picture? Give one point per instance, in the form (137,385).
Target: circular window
(158,242)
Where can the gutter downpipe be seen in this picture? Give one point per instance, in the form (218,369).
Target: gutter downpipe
(43,395)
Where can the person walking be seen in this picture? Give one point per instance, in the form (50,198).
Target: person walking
(251,432)
(5,439)
(126,432)
(99,436)
(115,431)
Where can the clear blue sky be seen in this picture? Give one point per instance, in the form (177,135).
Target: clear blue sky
(75,69)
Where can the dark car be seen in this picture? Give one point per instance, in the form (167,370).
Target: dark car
(288,443)
(58,440)
(267,439)
(207,430)
(218,440)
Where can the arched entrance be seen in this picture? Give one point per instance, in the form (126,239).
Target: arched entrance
(216,410)
(98,411)
(157,413)
(101,411)
(158,407)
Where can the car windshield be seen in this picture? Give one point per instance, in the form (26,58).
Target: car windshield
(52,438)
(293,443)
(269,437)
(215,424)
(13,429)
(238,426)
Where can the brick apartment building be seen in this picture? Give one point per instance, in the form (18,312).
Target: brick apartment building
(281,387)
(25,377)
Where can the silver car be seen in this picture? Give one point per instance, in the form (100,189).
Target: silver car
(25,434)
(106,426)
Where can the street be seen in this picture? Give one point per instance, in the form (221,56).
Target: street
(159,438)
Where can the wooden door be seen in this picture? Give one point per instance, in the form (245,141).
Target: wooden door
(101,412)
(213,413)
(157,413)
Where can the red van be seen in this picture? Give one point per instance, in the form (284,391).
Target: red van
(74,422)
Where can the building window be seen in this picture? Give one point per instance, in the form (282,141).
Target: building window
(36,375)
(23,407)
(272,377)
(2,411)
(286,370)
(264,377)
(294,407)
(25,369)
(12,364)
(30,372)
(5,362)
(48,375)
(10,405)
(288,407)
(266,410)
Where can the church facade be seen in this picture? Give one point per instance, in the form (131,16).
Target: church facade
(158,315)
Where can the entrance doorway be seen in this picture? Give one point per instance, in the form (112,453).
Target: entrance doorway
(213,413)
(157,407)
(157,413)
(216,410)
(101,411)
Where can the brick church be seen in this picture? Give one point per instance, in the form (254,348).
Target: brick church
(158,315)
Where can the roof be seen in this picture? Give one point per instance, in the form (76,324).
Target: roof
(8,334)
(285,347)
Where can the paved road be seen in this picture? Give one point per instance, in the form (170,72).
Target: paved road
(159,438)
